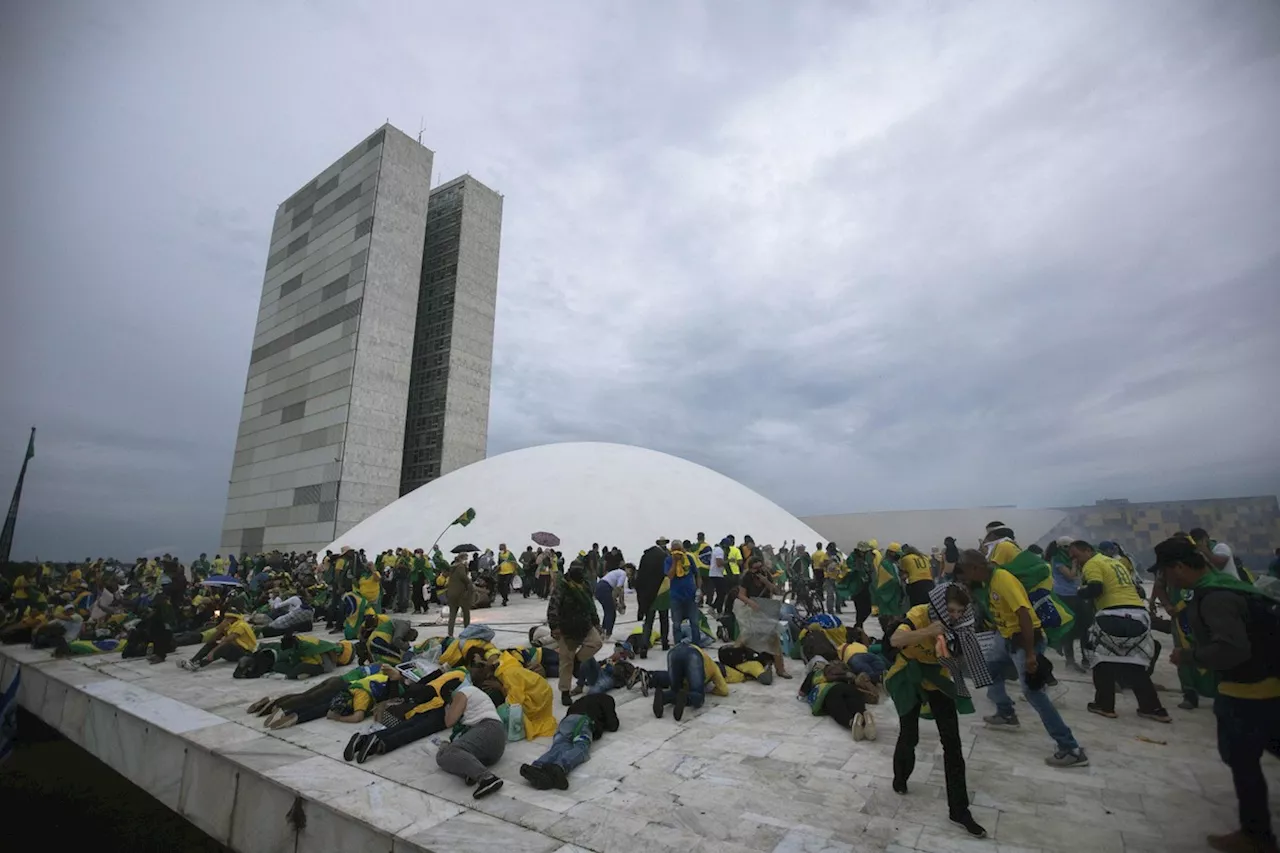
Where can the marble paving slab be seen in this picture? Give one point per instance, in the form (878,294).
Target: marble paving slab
(753,772)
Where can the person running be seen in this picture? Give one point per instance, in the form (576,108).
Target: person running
(1121,634)
(506,572)
(858,581)
(918,677)
(1235,627)
(888,596)
(1023,643)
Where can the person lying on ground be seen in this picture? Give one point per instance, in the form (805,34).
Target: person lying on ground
(586,721)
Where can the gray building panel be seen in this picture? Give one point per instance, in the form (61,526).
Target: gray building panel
(371,358)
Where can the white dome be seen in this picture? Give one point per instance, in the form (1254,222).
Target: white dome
(584,492)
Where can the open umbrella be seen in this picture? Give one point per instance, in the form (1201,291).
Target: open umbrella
(545,539)
(220,580)
(463,549)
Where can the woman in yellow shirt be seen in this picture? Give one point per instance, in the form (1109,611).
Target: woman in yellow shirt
(916,677)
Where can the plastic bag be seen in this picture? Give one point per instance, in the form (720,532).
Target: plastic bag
(515,723)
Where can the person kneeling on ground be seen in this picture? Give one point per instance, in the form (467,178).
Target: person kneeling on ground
(478,742)
(587,720)
(689,668)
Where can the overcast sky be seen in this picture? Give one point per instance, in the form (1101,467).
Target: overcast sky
(857,256)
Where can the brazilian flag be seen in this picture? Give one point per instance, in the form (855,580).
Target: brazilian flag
(466,518)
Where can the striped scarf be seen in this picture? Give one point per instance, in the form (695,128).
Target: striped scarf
(963,642)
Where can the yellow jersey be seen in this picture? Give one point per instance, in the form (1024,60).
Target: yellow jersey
(715,678)
(1007,598)
(1004,553)
(916,568)
(242,633)
(370,586)
(1117,582)
(506,563)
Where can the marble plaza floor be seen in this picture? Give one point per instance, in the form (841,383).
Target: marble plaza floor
(750,772)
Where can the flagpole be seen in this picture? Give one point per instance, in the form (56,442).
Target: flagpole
(11,520)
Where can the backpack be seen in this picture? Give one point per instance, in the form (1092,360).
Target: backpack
(1263,628)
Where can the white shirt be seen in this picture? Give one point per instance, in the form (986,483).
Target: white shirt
(717,567)
(292,602)
(479,706)
(102,605)
(1222,549)
(616,579)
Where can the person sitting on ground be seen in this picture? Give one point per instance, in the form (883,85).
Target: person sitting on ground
(587,720)
(479,740)
(233,639)
(684,683)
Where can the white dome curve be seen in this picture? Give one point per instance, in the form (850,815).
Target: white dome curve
(584,492)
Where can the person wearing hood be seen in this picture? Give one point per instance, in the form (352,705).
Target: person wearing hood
(653,595)
(572,617)
(918,575)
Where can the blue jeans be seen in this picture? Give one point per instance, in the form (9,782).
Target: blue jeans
(869,664)
(684,665)
(1003,652)
(604,683)
(566,750)
(682,609)
(604,595)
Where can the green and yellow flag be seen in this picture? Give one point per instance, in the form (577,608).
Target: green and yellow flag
(466,518)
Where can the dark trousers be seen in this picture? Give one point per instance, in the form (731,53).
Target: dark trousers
(420,725)
(1247,727)
(604,595)
(918,592)
(664,625)
(504,587)
(1105,676)
(314,703)
(527,580)
(544,586)
(1082,609)
(231,653)
(843,702)
(862,605)
(419,603)
(948,722)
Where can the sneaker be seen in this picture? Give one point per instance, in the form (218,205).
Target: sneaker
(659,702)
(285,721)
(971,826)
(855,726)
(371,745)
(352,747)
(558,778)
(1188,705)
(257,707)
(1238,842)
(999,721)
(468,781)
(565,698)
(1068,758)
(1094,708)
(682,696)
(1160,715)
(900,787)
(868,726)
(486,786)
(536,776)
(186,664)
(766,677)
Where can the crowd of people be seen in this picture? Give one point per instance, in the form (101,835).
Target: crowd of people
(944,623)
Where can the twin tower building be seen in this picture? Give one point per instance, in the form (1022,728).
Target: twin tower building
(373,350)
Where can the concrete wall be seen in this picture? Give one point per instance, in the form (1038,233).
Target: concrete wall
(330,351)
(374,445)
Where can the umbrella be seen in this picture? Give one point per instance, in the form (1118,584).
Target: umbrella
(220,580)
(462,549)
(545,539)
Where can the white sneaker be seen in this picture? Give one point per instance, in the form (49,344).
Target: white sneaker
(868,726)
(858,726)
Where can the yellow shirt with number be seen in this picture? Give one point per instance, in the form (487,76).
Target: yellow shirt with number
(916,568)
(1116,580)
(1007,598)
